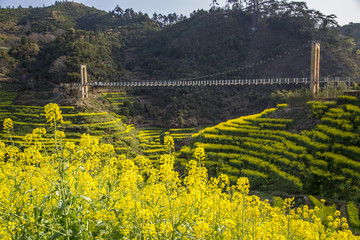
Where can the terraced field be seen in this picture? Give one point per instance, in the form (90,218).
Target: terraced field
(119,101)
(322,161)
(107,126)
(152,140)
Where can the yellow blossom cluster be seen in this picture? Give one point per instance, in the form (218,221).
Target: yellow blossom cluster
(85,191)
(8,124)
(53,113)
(169,143)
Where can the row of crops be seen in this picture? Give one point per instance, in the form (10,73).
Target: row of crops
(255,146)
(323,161)
(152,140)
(107,126)
(119,102)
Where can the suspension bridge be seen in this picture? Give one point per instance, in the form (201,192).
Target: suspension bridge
(220,82)
(223,78)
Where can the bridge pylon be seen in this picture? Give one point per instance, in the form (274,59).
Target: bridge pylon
(84,87)
(315,68)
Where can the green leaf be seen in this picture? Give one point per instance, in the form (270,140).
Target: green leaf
(30,190)
(56,235)
(61,206)
(36,212)
(86,198)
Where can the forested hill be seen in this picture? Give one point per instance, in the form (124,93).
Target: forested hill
(215,41)
(352,30)
(49,44)
(42,45)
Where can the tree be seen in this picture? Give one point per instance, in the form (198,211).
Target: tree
(234,4)
(58,67)
(214,5)
(25,50)
(329,21)
(118,11)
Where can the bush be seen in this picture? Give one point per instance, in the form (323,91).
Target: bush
(344,99)
(353,215)
(297,98)
(317,109)
(277,202)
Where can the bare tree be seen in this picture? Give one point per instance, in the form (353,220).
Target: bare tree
(58,67)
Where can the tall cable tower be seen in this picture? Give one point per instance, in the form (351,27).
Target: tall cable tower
(84,87)
(315,67)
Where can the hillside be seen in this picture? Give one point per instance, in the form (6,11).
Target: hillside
(91,118)
(267,148)
(352,30)
(286,150)
(213,42)
(47,45)
(125,44)
(42,47)
(84,191)
(271,149)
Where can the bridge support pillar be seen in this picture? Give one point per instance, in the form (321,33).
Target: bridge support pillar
(315,68)
(84,87)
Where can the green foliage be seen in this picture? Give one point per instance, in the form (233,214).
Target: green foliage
(344,99)
(317,108)
(352,152)
(333,90)
(50,43)
(339,160)
(277,202)
(339,135)
(353,215)
(296,98)
(321,161)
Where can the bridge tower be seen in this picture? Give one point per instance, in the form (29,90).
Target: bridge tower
(84,87)
(315,68)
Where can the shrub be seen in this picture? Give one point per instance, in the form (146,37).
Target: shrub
(353,215)
(344,99)
(277,202)
(317,109)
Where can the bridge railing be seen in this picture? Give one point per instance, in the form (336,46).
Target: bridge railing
(216,82)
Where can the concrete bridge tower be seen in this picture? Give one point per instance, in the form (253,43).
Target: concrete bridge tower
(84,87)
(315,68)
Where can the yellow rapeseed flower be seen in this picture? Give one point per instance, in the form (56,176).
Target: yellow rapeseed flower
(169,143)
(8,124)
(108,196)
(53,113)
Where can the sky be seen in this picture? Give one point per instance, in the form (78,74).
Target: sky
(346,10)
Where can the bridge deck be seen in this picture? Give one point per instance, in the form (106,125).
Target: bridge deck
(180,83)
